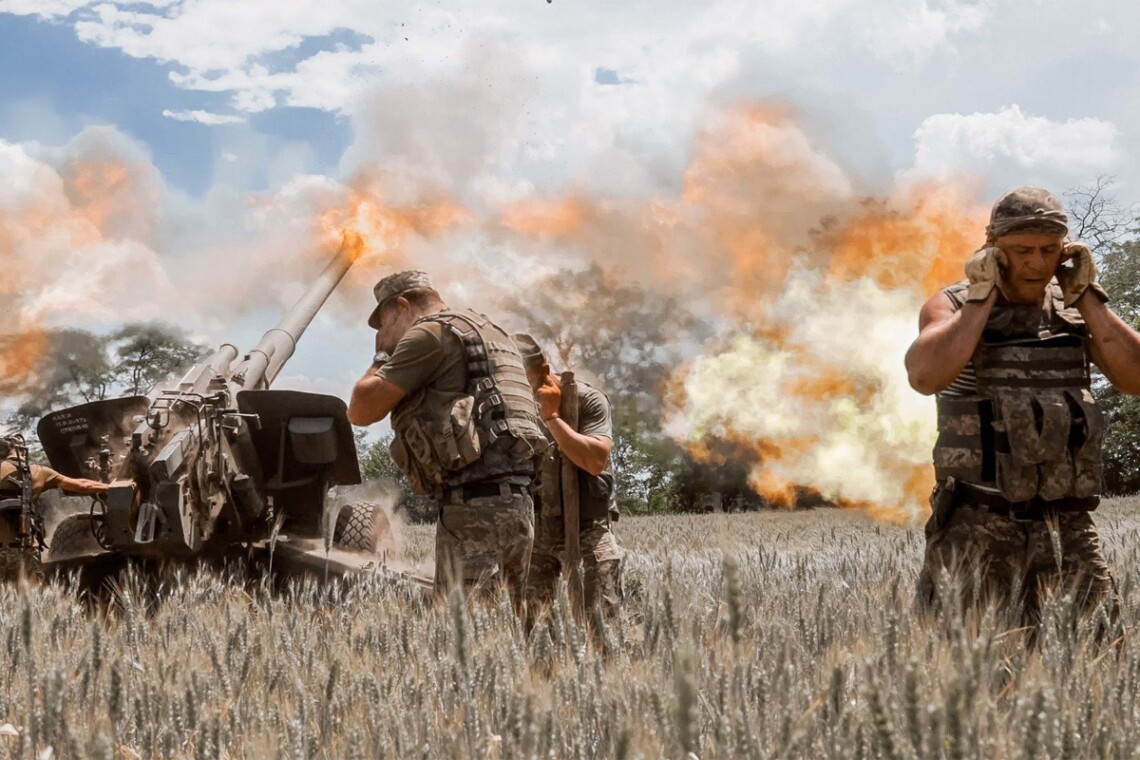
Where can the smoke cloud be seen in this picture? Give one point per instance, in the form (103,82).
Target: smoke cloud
(810,284)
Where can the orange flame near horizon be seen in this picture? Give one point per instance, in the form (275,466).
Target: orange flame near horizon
(761,201)
(96,191)
(21,355)
(908,245)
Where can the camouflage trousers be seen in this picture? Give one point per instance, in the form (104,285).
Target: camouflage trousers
(1014,564)
(479,541)
(601,566)
(16,560)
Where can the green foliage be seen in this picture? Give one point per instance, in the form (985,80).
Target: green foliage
(148,353)
(1121,441)
(1110,227)
(80,366)
(376,463)
(1120,275)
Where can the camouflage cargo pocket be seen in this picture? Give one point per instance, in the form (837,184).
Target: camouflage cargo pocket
(1057,478)
(1016,481)
(1038,427)
(1037,432)
(412,453)
(1087,463)
(457,444)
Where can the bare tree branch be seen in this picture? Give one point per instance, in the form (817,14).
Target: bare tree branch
(1097,217)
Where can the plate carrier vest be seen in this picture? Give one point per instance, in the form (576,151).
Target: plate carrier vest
(1031,430)
(497,403)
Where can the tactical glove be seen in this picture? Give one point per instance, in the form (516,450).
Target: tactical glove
(1077,274)
(549,397)
(984,269)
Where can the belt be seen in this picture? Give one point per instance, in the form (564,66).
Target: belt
(484,490)
(1031,509)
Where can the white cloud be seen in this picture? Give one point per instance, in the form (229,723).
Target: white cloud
(250,49)
(1074,149)
(905,31)
(497,100)
(46,9)
(204,117)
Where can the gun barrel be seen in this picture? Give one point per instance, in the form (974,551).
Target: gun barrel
(267,358)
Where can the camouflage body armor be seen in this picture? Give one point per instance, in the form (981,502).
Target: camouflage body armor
(490,432)
(1029,428)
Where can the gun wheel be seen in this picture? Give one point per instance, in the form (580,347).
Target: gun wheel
(362,527)
(73,537)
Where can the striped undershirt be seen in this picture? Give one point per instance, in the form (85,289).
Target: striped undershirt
(966,383)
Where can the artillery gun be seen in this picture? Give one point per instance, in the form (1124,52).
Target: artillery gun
(218,461)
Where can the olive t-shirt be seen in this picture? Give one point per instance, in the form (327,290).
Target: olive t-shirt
(594,419)
(429,355)
(43,478)
(594,413)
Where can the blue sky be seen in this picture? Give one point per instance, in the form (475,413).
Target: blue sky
(242,121)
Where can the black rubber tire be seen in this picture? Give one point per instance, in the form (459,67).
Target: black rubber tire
(73,537)
(361,527)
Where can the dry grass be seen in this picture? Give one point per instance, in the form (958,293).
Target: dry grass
(759,635)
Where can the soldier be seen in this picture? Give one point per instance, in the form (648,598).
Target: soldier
(21,484)
(466,428)
(43,478)
(588,448)
(1018,456)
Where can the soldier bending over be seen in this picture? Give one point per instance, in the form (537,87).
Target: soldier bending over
(466,428)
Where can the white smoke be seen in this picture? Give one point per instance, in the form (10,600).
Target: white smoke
(825,400)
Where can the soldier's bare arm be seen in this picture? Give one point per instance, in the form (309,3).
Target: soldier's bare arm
(587,452)
(946,340)
(45,478)
(1115,347)
(82,486)
(373,399)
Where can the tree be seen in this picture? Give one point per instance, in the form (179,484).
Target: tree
(79,367)
(376,463)
(628,336)
(631,338)
(146,354)
(1098,218)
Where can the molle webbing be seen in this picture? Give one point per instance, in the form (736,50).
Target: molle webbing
(1046,445)
(965,447)
(1031,429)
(1058,362)
(505,411)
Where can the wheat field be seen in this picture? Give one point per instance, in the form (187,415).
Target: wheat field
(761,635)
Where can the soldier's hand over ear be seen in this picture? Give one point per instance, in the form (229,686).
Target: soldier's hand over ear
(549,397)
(984,269)
(1077,273)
